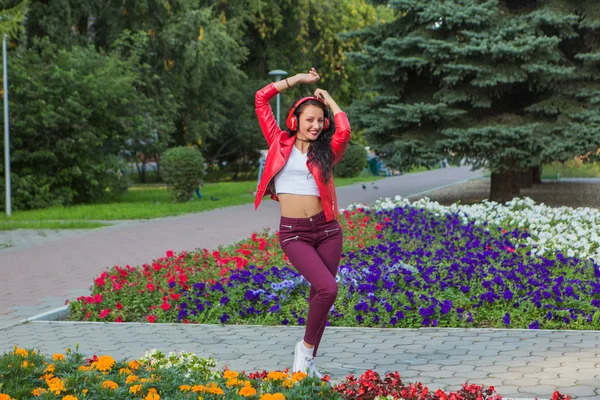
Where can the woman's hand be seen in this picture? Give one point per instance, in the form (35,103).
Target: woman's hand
(309,78)
(328,100)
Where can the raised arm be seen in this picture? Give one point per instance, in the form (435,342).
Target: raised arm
(342,135)
(264,112)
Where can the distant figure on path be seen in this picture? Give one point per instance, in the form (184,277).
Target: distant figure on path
(298,174)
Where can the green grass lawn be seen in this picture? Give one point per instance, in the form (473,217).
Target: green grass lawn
(142,202)
(571,169)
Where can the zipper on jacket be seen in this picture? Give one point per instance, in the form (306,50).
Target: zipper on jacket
(292,238)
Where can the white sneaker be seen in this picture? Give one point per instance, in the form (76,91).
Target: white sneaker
(313,371)
(302,358)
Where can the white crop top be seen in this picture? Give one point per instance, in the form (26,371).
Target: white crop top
(295,178)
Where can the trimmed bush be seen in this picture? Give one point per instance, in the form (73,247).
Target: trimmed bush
(353,162)
(182,170)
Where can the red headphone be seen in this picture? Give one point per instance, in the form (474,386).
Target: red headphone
(292,121)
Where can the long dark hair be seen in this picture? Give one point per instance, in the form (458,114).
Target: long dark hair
(319,151)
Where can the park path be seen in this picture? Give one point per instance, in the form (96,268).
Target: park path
(39,277)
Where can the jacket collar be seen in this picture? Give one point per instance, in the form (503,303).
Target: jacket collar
(287,139)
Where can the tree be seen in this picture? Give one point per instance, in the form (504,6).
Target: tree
(496,82)
(11,15)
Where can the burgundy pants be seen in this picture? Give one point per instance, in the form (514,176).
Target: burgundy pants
(314,247)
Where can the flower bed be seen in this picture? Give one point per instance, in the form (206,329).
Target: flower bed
(404,265)
(25,374)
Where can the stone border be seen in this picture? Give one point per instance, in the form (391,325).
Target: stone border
(50,316)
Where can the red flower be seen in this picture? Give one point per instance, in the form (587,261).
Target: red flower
(98,298)
(119,319)
(170,253)
(175,296)
(165,306)
(150,286)
(104,313)
(151,318)
(119,306)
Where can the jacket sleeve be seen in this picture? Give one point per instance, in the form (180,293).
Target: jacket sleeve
(267,121)
(341,137)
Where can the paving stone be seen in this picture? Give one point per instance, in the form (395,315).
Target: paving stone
(581,391)
(521,381)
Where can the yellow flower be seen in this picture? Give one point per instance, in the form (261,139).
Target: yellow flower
(105,363)
(135,388)
(185,388)
(109,385)
(25,364)
(38,391)
(20,352)
(277,375)
(125,371)
(247,391)
(84,391)
(131,379)
(49,369)
(69,397)
(200,398)
(58,356)
(83,368)
(133,365)
(230,374)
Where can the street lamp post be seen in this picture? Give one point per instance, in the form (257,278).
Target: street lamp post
(278,74)
(6,131)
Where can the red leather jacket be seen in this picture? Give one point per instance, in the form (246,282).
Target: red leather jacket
(280,146)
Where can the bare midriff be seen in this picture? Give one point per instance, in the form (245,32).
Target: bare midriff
(299,206)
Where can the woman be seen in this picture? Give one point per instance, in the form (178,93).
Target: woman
(298,174)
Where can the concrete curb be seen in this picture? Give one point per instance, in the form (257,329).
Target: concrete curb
(50,316)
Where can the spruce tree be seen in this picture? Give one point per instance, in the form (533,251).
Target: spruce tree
(502,84)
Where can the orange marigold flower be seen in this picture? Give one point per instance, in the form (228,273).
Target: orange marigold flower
(38,391)
(125,371)
(234,382)
(50,368)
(133,364)
(213,388)
(20,352)
(56,385)
(135,388)
(105,363)
(274,396)
(185,388)
(58,356)
(131,379)
(230,374)
(198,388)
(69,397)
(4,396)
(152,396)
(25,364)
(247,391)
(110,385)
(84,391)
(298,376)
(83,368)
(277,375)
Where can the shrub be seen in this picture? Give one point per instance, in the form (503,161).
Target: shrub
(353,162)
(182,169)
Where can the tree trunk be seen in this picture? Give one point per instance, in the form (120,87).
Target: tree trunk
(501,188)
(536,174)
(516,189)
(526,178)
(91,29)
